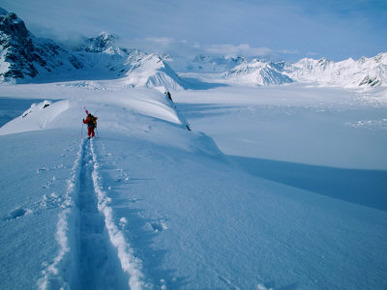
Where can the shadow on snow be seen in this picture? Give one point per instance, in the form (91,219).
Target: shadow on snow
(196,84)
(364,187)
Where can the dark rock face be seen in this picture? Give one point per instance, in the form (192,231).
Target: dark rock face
(25,58)
(370,81)
(16,42)
(28,57)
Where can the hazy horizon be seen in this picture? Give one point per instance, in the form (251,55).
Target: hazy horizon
(280,29)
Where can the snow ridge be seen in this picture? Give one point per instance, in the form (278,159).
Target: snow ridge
(151,71)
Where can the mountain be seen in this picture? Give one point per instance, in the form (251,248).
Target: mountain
(259,73)
(22,56)
(203,63)
(214,64)
(25,58)
(151,71)
(135,67)
(16,47)
(365,72)
(348,73)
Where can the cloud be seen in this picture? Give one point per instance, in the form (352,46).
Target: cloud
(333,28)
(187,48)
(289,52)
(162,45)
(165,41)
(231,50)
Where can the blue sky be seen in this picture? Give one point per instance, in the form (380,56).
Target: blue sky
(279,29)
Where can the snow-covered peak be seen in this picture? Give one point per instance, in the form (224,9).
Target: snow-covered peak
(152,71)
(348,73)
(367,72)
(381,58)
(102,42)
(259,73)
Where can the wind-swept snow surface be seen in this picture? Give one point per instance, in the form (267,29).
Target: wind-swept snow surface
(148,204)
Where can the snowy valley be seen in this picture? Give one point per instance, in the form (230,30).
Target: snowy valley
(281,182)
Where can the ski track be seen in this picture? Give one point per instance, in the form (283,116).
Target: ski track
(93,253)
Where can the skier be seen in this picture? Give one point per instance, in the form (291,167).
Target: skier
(91,122)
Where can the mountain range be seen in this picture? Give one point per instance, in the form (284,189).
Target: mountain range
(25,58)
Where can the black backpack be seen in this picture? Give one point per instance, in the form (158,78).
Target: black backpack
(92,122)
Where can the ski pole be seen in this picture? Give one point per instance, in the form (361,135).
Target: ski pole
(82,131)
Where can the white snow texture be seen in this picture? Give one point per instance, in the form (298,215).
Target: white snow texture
(288,192)
(256,175)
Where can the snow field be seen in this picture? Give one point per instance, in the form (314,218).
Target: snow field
(317,126)
(205,223)
(149,204)
(34,192)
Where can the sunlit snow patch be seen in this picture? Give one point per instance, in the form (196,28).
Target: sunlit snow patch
(37,117)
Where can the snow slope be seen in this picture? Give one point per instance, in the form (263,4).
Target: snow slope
(149,204)
(152,71)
